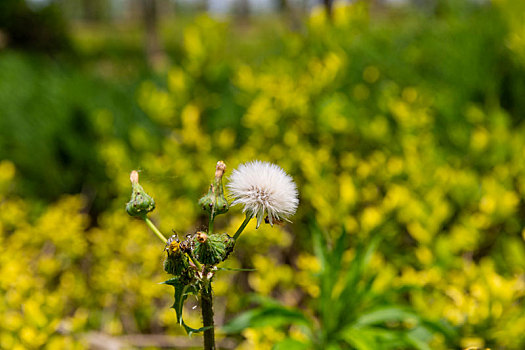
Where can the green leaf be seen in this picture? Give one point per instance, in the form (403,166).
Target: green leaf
(336,256)
(291,344)
(273,315)
(356,286)
(368,338)
(233,269)
(172,281)
(327,277)
(319,245)
(413,339)
(368,330)
(181,294)
(190,331)
(386,314)
(263,300)
(363,255)
(442,327)
(359,340)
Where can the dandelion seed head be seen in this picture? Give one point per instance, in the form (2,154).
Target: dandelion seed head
(263,187)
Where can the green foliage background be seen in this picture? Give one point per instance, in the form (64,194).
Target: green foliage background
(408,121)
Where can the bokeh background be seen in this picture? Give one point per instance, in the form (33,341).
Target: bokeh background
(403,119)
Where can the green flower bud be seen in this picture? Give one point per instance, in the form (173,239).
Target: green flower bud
(140,203)
(214,201)
(212,249)
(221,205)
(208,200)
(176,262)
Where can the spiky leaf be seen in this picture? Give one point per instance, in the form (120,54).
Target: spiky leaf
(182,291)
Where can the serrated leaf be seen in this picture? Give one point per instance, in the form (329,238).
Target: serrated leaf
(190,331)
(181,294)
(172,281)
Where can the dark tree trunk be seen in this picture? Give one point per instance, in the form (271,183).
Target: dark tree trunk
(283,5)
(289,13)
(328,8)
(242,11)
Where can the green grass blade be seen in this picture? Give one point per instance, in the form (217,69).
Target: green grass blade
(274,316)
(386,314)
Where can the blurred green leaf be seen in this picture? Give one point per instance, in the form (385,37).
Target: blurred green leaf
(274,316)
(358,339)
(234,269)
(386,314)
(291,344)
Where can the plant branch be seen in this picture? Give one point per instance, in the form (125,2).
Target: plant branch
(210,224)
(155,230)
(243,226)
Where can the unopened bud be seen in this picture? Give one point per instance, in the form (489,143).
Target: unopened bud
(220,168)
(212,249)
(134,177)
(140,203)
(214,201)
(229,243)
(176,262)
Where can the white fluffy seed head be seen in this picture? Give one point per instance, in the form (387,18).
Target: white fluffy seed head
(263,187)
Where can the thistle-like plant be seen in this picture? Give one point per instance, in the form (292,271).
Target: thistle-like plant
(264,189)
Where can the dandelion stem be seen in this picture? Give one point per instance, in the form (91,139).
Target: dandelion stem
(243,226)
(155,230)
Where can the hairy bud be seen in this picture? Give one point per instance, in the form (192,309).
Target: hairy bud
(212,249)
(140,203)
(176,262)
(214,201)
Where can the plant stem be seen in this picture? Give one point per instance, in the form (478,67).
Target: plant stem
(155,230)
(207,317)
(210,224)
(195,262)
(243,225)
